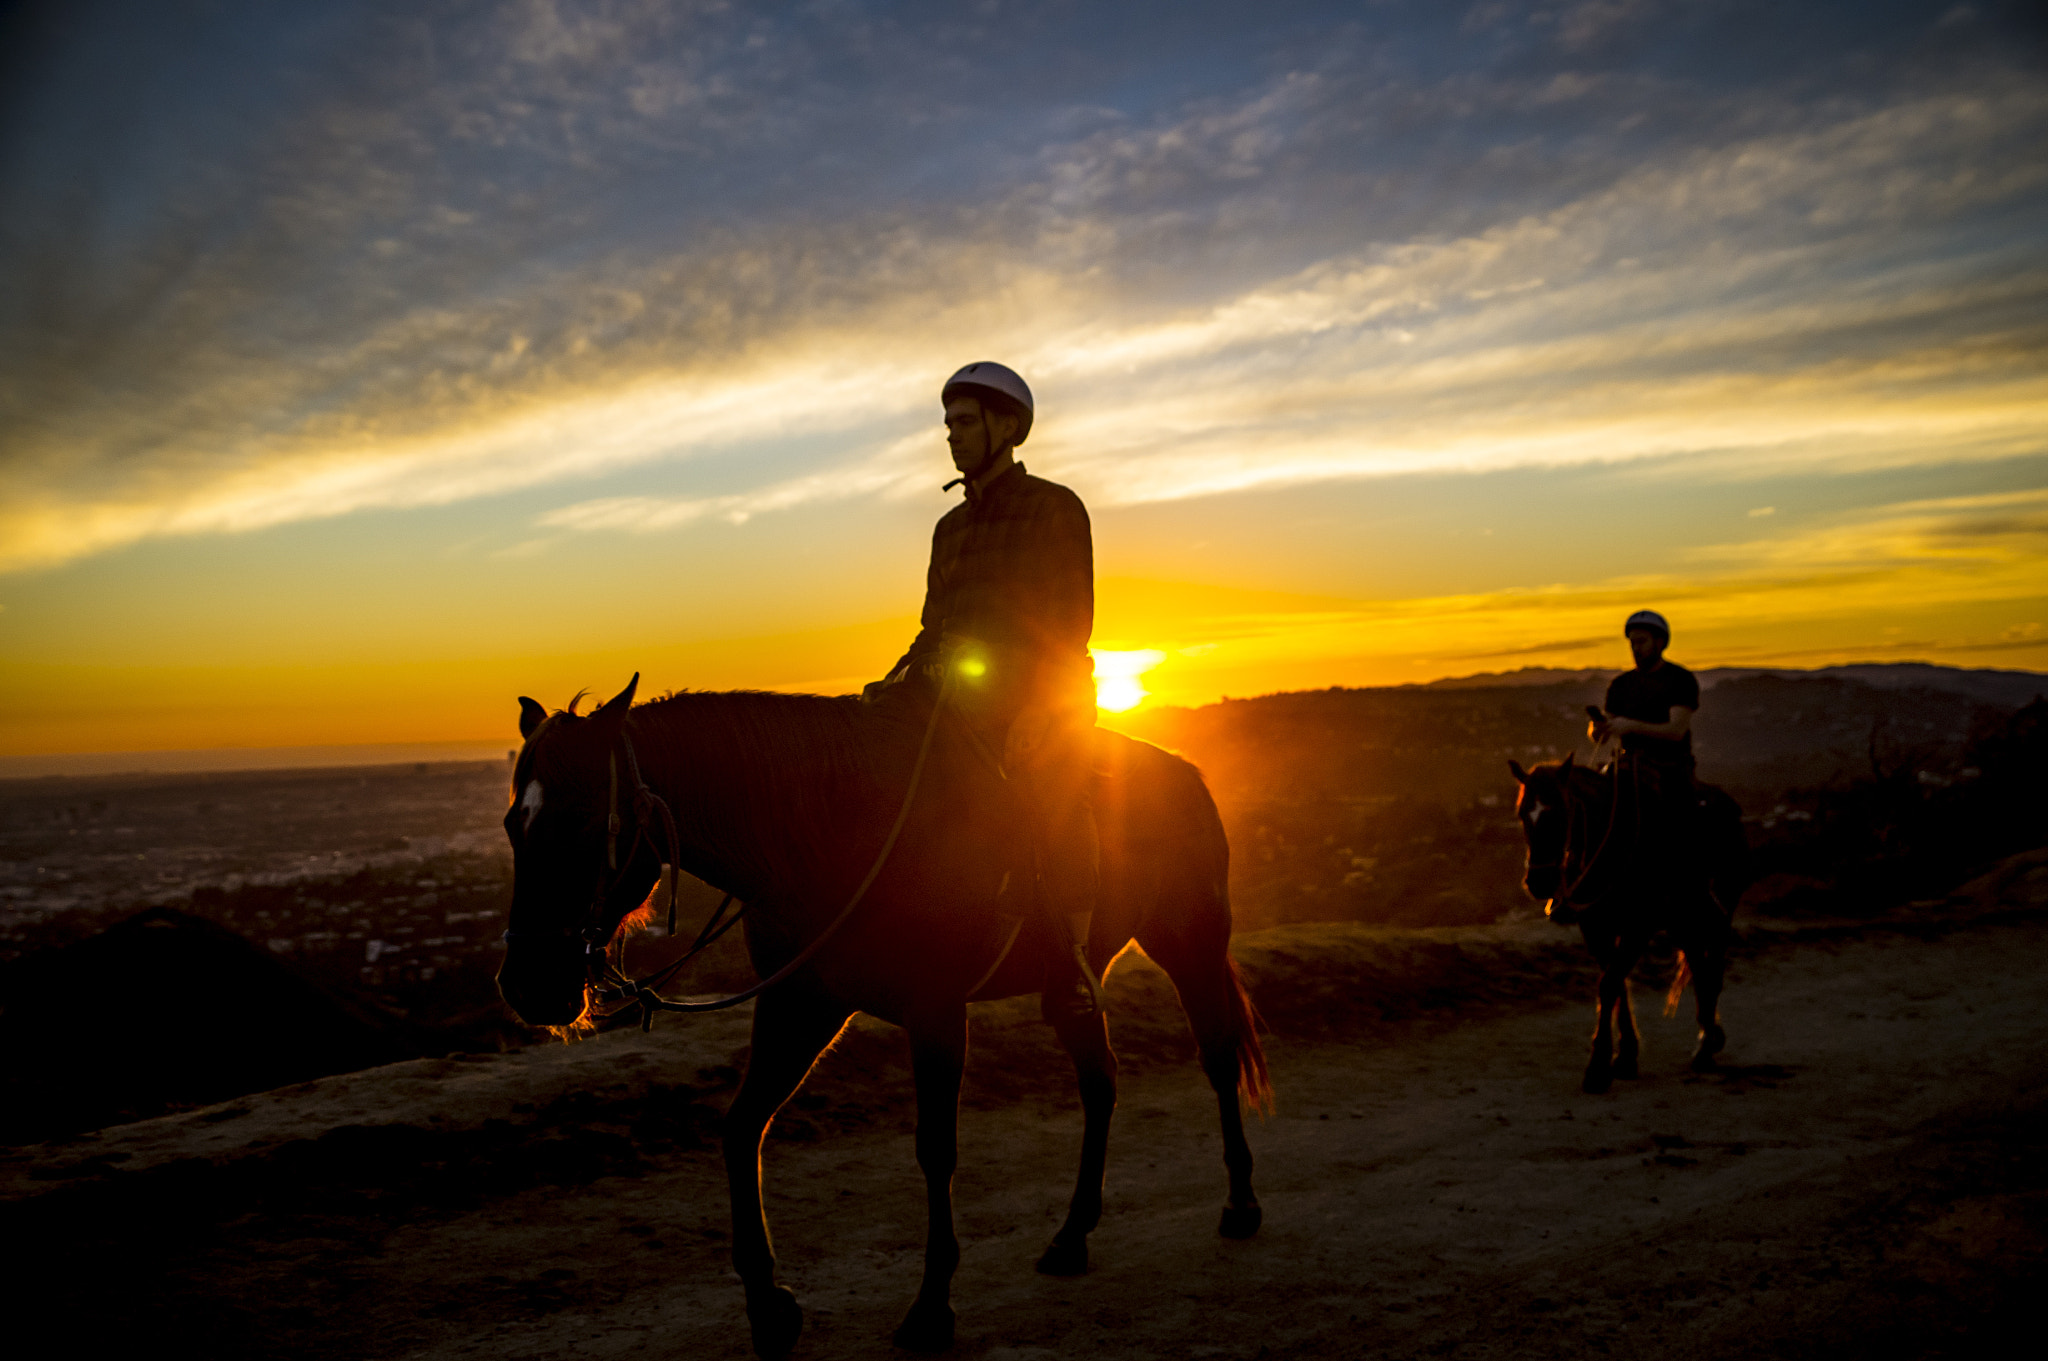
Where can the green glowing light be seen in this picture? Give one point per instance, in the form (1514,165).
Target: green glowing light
(973,666)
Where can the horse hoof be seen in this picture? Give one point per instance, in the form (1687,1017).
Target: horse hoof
(1598,1080)
(926,1328)
(1241,1221)
(1711,1043)
(776,1318)
(1625,1068)
(1064,1259)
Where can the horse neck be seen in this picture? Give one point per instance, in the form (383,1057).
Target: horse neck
(1592,791)
(750,802)
(1591,796)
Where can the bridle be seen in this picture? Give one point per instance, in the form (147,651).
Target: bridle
(1573,843)
(593,930)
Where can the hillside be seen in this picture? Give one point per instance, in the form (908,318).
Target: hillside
(1392,805)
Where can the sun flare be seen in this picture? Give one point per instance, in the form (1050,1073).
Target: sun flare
(1118,688)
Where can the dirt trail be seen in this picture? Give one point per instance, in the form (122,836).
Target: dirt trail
(1850,1176)
(1865,1176)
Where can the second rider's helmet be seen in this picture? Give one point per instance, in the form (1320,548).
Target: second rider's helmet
(1651,620)
(993,384)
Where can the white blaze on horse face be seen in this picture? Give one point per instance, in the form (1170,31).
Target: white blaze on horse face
(530,803)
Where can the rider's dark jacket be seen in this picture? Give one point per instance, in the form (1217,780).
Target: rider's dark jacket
(1013,571)
(1649,697)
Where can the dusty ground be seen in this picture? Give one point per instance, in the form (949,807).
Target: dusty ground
(1864,1177)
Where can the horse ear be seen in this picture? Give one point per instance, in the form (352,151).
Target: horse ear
(1569,758)
(1515,769)
(531,716)
(614,710)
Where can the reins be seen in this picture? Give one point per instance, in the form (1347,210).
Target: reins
(642,992)
(1570,891)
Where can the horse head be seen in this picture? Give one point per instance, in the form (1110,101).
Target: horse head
(1543,806)
(579,864)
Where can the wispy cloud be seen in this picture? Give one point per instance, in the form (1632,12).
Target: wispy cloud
(1992,530)
(1836,589)
(461,294)
(901,469)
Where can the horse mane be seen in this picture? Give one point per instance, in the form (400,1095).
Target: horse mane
(775,780)
(1558,773)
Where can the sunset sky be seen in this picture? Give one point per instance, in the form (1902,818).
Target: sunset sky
(364,366)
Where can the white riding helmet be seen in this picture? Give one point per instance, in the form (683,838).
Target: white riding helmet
(991,379)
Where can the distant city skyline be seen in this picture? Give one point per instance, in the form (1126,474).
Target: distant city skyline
(365,366)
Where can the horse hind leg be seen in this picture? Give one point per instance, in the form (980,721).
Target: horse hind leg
(1087,1042)
(1225,1025)
(1242,1215)
(789,1033)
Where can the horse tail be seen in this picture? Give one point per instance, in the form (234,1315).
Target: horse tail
(1678,982)
(1186,929)
(1254,1082)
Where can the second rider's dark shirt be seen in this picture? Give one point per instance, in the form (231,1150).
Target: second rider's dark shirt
(1649,697)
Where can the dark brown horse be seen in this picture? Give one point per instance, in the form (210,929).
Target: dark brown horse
(1606,853)
(785,801)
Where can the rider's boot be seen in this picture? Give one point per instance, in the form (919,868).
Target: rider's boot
(1077,935)
(1071,987)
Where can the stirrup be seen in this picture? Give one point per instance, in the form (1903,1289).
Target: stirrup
(1097,1004)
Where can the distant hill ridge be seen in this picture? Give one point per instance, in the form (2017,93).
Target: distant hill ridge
(1990,685)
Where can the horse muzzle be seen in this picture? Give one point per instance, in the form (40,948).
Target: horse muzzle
(544,987)
(1561,910)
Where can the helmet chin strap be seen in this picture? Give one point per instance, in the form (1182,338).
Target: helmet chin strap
(990,454)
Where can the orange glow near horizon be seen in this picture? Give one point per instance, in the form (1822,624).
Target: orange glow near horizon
(1118,684)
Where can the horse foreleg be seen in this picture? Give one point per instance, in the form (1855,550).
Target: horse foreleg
(938,1052)
(788,1035)
(1627,1044)
(1087,1041)
(1615,960)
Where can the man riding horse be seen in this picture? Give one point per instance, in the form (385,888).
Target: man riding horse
(1009,604)
(1650,710)
(1637,849)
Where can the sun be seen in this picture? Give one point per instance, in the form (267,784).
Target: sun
(1117,685)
